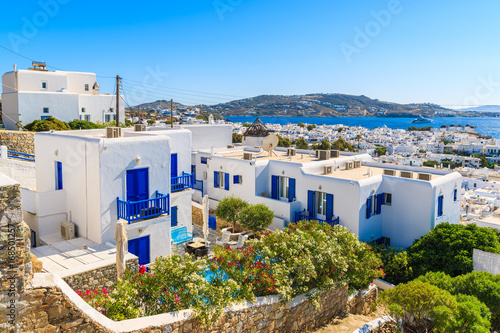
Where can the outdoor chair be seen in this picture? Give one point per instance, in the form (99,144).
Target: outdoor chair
(222,241)
(241,241)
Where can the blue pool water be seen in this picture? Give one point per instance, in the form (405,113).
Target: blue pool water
(484,125)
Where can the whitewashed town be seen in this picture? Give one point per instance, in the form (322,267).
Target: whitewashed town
(240,167)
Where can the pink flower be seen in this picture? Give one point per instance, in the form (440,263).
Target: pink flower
(177,300)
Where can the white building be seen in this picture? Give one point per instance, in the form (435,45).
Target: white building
(28,95)
(375,201)
(143,178)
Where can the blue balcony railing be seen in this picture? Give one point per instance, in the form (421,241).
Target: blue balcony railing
(21,156)
(182,182)
(301,216)
(143,209)
(198,185)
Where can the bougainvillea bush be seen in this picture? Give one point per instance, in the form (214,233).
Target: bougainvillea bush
(306,257)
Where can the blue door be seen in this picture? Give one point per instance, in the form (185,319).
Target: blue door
(140,247)
(173,165)
(137,184)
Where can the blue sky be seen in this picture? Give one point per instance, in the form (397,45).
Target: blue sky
(444,52)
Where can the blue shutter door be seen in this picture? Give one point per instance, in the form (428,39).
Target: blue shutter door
(380,197)
(329,207)
(216,179)
(455,195)
(440,205)
(226,181)
(274,187)
(138,184)
(173,165)
(291,189)
(173,217)
(140,248)
(235,179)
(368,207)
(310,203)
(59,180)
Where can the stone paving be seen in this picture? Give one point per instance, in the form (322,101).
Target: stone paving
(198,233)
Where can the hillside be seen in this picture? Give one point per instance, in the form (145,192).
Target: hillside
(323,105)
(314,105)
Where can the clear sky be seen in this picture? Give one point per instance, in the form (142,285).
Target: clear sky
(445,52)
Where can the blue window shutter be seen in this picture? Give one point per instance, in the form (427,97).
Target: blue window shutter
(59,180)
(455,195)
(140,248)
(143,183)
(226,181)
(310,203)
(173,165)
(235,179)
(440,205)
(291,189)
(173,217)
(380,198)
(368,207)
(329,206)
(274,187)
(216,179)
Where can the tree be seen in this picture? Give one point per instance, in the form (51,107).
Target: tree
(237,138)
(283,142)
(342,145)
(484,286)
(301,143)
(430,164)
(324,145)
(380,150)
(421,307)
(311,127)
(77,124)
(256,217)
(48,124)
(247,125)
(229,209)
(151,122)
(358,137)
(301,125)
(448,248)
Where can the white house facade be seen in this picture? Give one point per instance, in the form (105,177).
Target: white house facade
(28,95)
(375,201)
(142,178)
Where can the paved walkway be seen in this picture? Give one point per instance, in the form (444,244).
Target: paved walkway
(198,233)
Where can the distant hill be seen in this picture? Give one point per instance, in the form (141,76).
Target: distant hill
(483,108)
(314,105)
(323,105)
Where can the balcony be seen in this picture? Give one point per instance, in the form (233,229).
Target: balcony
(301,216)
(183,182)
(132,211)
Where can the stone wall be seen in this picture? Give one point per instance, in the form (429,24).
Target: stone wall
(20,141)
(360,304)
(101,277)
(15,256)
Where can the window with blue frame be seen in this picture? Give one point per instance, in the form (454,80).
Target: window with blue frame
(440,206)
(59,176)
(107,118)
(45,110)
(320,205)
(455,195)
(173,217)
(237,179)
(374,204)
(283,188)
(203,160)
(44,117)
(221,180)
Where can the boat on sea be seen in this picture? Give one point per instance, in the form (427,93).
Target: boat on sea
(421,120)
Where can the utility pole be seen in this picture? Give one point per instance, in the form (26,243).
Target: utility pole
(118,101)
(171,113)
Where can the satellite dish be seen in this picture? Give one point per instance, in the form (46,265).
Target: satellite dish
(270,142)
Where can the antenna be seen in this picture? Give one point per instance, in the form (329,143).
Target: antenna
(269,143)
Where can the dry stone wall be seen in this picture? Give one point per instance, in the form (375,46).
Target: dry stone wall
(20,141)
(101,277)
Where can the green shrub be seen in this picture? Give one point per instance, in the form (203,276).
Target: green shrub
(48,124)
(256,217)
(397,267)
(82,124)
(448,248)
(229,209)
